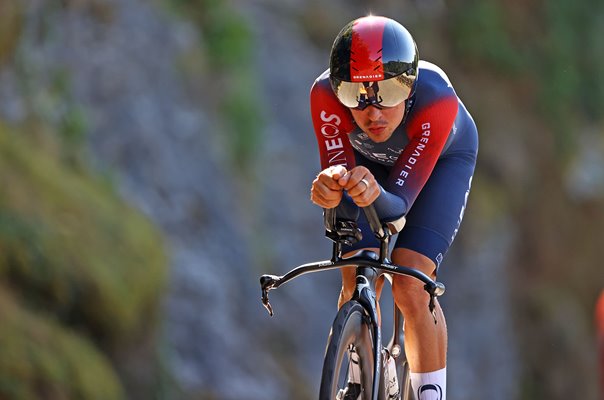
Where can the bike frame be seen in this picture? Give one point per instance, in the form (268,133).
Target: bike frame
(369,266)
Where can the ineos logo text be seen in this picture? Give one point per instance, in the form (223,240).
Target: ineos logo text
(331,126)
(330,129)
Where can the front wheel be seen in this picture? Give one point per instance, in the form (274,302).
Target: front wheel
(349,342)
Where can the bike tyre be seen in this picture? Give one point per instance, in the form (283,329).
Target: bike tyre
(350,326)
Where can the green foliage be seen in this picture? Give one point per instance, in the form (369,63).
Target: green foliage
(592,63)
(70,118)
(228,48)
(559,50)
(76,250)
(226,34)
(56,114)
(243,119)
(42,360)
(46,91)
(480,34)
(574,57)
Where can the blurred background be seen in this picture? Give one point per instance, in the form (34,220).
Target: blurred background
(156,158)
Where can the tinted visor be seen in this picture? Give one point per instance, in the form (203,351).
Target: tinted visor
(387,93)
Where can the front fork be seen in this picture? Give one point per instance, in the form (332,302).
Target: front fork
(366,295)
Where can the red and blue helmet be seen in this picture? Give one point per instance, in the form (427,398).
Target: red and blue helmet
(373,62)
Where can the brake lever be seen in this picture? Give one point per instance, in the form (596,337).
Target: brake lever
(434,289)
(267,283)
(266,303)
(432,307)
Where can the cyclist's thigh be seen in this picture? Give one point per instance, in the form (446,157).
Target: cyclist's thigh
(434,218)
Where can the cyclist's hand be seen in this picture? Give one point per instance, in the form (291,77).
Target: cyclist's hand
(361,186)
(326,191)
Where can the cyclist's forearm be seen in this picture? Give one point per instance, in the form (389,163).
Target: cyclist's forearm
(389,206)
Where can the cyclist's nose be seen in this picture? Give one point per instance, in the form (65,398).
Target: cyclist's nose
(374,113)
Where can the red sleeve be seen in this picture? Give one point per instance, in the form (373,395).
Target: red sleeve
(428,132)
(332,123)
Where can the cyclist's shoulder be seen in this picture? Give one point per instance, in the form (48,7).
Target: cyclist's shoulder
(321,87)
(434,94)
(433,82)
(323,77)
(325,107)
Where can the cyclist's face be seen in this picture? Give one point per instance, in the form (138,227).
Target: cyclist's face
(379,123)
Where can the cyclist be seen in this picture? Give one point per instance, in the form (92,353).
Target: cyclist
(392,131)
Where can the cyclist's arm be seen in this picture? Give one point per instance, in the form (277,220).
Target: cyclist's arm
(388,206)
(332,122)
(428,130)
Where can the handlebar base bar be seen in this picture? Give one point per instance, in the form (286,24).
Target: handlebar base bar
(363,258)
(348,233)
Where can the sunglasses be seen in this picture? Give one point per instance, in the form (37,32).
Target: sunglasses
(360,95)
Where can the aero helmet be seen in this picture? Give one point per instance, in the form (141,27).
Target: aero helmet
(373,61)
